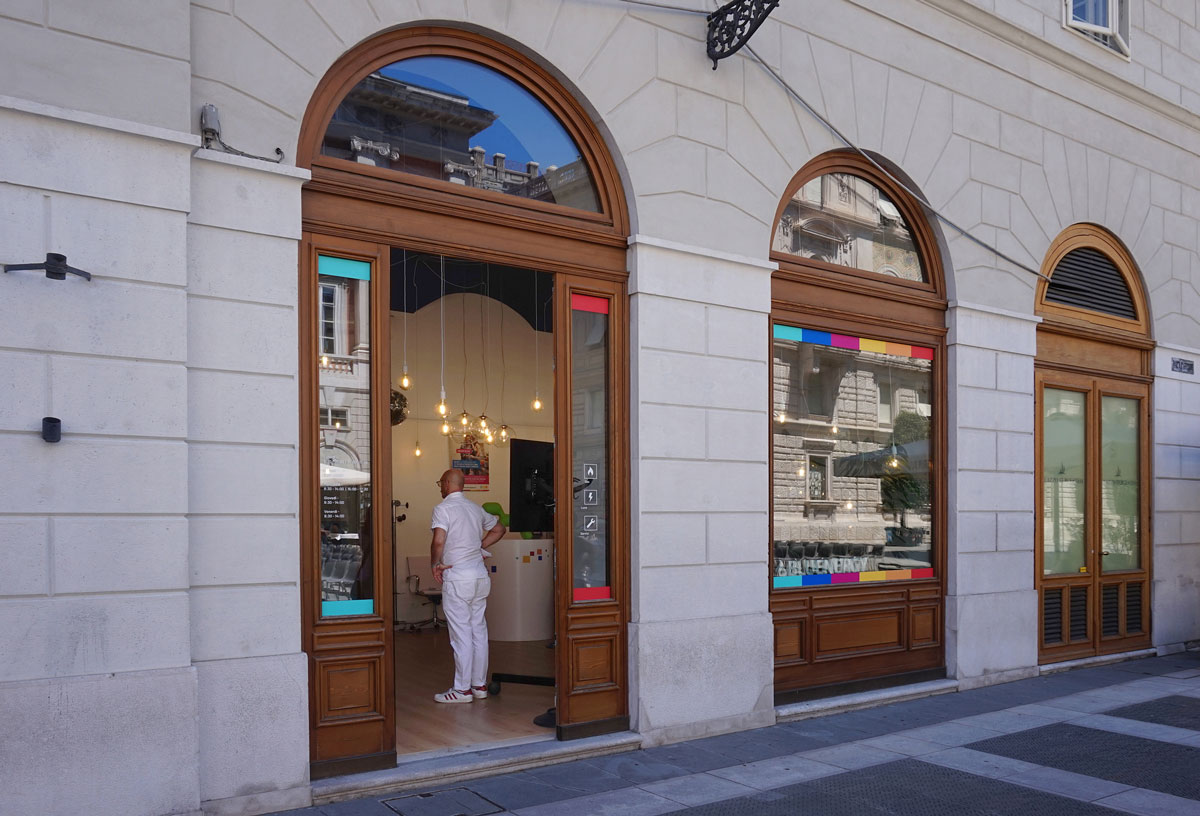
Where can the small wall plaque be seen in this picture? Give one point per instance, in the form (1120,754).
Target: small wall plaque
(1183,366)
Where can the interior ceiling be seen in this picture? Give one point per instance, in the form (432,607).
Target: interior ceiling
(416,283)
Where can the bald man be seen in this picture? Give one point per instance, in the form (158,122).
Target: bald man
(461,532)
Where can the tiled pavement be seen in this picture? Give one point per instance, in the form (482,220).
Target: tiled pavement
(1120,738)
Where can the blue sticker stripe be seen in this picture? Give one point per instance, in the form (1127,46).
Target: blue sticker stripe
(334,609)
(817,580)
(783,332)
(819,338)
(343,268)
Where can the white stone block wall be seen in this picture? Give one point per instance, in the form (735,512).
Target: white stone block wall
(243,471)
(991,494)
(700,384)
(97,688)
(1175,588)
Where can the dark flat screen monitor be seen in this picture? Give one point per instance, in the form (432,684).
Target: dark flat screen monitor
(531,486)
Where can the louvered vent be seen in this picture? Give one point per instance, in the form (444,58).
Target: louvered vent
(1079,623)
(1086,278)
(1110,610)
(1133,608)
(1052,622)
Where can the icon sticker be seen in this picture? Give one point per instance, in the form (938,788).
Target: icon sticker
(590,471)
(591,497)
(591,523)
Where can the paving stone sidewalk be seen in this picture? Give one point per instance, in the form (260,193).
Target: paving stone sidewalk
(1119,738)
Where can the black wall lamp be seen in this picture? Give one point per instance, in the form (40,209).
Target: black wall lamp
(731,26)
(55,265)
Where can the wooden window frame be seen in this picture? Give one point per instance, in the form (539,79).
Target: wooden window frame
(1101,355)
(831,297)
(351,207)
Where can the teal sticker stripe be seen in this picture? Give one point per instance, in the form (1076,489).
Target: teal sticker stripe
(782,581)
(334,609)
(783,332)
(343,268)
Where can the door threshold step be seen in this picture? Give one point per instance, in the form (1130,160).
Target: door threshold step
(863,699)
(1098,660)
(447,770)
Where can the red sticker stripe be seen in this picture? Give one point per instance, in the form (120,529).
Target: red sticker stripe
(923,573)
(588,303)
(592,593)
(922,353)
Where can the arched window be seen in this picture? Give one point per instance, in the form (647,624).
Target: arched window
(857,430)
(452,120)
(1092,389)
(843,219)
(449,167)
(458,121)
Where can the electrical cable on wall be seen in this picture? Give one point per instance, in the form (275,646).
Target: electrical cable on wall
(845,141)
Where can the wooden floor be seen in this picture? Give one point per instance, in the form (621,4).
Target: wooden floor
(425,666)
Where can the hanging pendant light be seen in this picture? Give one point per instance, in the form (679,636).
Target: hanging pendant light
(405,380)
(417,449)
(441,406)
(445,429)
(537,346)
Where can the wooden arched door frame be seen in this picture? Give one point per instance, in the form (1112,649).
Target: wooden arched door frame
(359,212)
(899,624)
(1095,355)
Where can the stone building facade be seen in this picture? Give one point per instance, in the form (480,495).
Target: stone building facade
(151,656)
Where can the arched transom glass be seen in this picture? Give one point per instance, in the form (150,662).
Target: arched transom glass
(458,121)
(843,219)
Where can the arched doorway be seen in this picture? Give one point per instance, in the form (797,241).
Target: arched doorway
(419,198)
(1093,376)
(858,432)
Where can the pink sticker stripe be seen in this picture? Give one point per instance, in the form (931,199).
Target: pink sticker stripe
(845,578)
(591,594)
(843,341)
(589,303)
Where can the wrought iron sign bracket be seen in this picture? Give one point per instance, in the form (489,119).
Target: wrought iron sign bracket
(733,24)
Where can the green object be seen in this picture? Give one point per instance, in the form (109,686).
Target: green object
(527,536)
(496,510)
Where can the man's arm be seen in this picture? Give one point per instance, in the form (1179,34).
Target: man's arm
(493,535)
(436,547)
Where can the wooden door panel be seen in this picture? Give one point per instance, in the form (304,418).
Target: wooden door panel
(591,657)
(855,634)
(1088,613)
(352,712)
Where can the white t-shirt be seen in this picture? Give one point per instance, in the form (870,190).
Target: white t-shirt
(464,522)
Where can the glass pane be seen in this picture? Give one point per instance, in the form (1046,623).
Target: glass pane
(454,120)
(589,434)
(344,469)
(1094,12)
(1064,494)
(852,495)
(1119,484)
(843,219)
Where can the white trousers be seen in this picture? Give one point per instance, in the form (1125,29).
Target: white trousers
(464,603)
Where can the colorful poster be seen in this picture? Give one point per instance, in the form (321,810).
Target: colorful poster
(469,455)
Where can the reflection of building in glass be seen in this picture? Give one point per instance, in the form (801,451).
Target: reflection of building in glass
(402,126)
(842,219)
(851,459)
(344,417)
